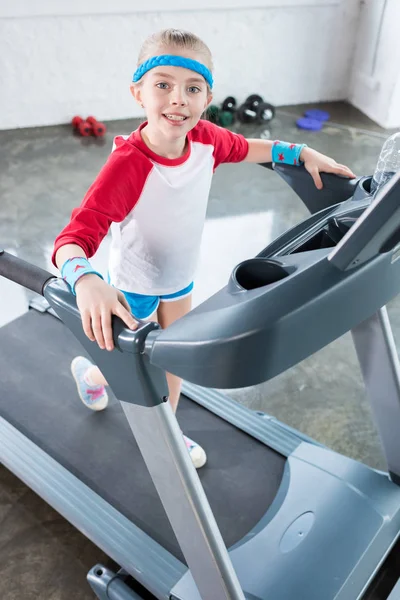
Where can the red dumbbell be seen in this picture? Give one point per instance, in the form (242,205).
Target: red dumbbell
(82,127)
(98,129)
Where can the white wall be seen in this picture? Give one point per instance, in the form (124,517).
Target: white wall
(61,59)
(375,80)
(393,118)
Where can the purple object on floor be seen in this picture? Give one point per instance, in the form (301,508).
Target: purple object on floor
(316,113)
(312,124)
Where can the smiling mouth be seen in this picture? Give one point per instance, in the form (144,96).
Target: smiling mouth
(175,117)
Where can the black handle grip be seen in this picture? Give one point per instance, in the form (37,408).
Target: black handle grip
(30,276)
(336,187)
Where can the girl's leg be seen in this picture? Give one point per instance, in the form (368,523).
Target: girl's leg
(90,381)
(167,313)
(94,376)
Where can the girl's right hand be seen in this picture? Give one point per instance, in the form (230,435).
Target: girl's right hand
(97,302)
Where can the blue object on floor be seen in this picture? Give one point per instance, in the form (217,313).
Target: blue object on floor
(316,113)
(312,124)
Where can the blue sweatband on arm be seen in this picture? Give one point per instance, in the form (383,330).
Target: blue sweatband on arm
(74,268)
(287,153)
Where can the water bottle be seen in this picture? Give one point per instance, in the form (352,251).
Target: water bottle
(388,163)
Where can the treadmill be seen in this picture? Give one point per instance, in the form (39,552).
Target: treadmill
(273,515)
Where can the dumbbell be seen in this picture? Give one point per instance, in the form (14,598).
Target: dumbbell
(227,115)
(98,129)
(255,110)
(82,127)
(224,115)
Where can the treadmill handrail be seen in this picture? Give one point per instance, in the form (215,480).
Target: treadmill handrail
(336,188)
(376,230)
(26,274)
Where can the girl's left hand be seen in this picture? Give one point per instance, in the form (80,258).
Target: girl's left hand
(316,163)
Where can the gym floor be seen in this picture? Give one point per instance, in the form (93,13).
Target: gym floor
(44,174)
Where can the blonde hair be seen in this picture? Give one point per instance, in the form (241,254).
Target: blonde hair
(176,39)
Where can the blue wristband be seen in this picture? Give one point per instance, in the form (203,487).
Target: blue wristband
(287,153)
(74,268)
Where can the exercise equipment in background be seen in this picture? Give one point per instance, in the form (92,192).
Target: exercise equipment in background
(88,126)
(253,110)
(313,119)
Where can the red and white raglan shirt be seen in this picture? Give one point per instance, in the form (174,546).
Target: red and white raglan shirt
(155,207)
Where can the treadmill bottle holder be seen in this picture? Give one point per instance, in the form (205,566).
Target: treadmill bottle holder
(329,234)
(363,189)
(258,272)
(365,184)
(261,271)
(327,237)
(316,234)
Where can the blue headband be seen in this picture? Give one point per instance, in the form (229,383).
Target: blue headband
(173,61)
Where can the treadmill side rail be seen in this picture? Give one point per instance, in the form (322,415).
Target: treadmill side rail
(93,516)
(377,355)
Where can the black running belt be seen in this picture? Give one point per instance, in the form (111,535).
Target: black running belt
(38,396)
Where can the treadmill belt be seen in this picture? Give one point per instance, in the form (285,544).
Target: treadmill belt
(38,396)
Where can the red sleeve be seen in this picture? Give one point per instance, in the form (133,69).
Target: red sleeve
(229,147)
(109,199)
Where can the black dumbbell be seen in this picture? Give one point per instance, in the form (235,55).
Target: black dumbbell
(229,104)
(255,110)
(227,115)
(253,99)
(224,115)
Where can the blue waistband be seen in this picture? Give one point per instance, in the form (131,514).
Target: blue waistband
(173,61)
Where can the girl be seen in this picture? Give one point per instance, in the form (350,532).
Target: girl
(153,193)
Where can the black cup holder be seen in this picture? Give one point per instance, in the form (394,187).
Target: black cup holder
(258,272)
(363,189)
(365,183)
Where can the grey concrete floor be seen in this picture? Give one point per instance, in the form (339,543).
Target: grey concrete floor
(44,174)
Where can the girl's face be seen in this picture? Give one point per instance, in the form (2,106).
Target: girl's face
(174,98)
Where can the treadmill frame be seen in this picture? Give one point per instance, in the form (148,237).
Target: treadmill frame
(198,534)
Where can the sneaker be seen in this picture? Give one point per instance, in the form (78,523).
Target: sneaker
(197,454)
(93,396)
